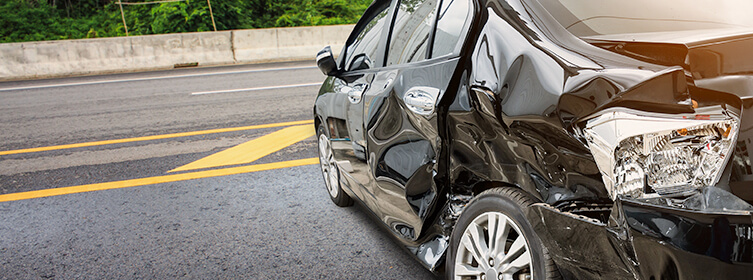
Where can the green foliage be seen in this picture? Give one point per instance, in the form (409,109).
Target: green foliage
(38,20)
(22,21)
(324,12)
(180,17)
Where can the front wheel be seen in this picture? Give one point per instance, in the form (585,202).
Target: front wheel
(492,240)
(330,171)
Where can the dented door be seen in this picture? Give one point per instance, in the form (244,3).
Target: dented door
(403,143)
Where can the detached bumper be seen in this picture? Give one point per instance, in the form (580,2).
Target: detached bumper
(646,241)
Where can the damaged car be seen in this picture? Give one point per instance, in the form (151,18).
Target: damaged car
(548,139)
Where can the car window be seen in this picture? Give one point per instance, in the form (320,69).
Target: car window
(453,16)
(410,34)
(363,51)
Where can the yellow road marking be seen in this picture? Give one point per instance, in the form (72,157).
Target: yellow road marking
(154,137)
(254,149)
(157,179)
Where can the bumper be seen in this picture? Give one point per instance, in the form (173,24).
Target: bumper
(646,241)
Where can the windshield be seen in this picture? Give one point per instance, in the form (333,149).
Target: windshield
(604,17)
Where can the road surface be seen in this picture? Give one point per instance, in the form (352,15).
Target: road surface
(137,176)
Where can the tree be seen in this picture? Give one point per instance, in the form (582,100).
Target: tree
(36,20)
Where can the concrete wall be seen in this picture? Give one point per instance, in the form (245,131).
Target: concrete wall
(280,44)
(140,53)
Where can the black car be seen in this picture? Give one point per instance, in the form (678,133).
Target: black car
(547,139)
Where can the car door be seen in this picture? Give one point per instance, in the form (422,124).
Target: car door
(361,62)
(401,121)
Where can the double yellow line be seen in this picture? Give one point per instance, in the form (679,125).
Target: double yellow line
(173,177)
(154,137)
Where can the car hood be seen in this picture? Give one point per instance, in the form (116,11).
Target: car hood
(689,38)
(704,54)
(718,60)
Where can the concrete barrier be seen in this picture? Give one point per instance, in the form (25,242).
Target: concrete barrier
(47,59)
(281,44)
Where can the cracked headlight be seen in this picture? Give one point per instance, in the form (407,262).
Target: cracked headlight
(641,153)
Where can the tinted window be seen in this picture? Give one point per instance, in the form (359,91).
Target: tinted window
(410,35)
(364,47)
(452,20)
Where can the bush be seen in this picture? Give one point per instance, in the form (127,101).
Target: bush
(38,20)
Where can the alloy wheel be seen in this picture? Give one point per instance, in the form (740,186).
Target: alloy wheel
(327,163)
(493,247)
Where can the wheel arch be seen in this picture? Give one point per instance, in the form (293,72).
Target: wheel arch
(482,186)
(317,120)
(478,204)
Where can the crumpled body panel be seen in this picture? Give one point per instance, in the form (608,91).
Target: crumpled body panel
(511,113)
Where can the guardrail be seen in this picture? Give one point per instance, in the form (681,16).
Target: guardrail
(33,60)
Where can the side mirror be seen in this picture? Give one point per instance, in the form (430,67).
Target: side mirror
(360,62)
(326,61)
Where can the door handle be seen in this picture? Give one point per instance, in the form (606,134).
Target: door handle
(355,92)
(421,100)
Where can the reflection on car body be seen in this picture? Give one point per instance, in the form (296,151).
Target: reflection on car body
(518,139)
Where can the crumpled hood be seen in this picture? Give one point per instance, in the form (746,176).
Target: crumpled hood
(705,54)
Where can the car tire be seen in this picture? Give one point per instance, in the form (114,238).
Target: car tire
(330,171)
(472,256)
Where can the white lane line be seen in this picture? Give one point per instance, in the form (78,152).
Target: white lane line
(255,88)
(155,78)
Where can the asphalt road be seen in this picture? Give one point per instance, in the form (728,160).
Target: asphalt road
(134,176)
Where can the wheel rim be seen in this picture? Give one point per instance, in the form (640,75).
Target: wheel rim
(329,169)
(493,247)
